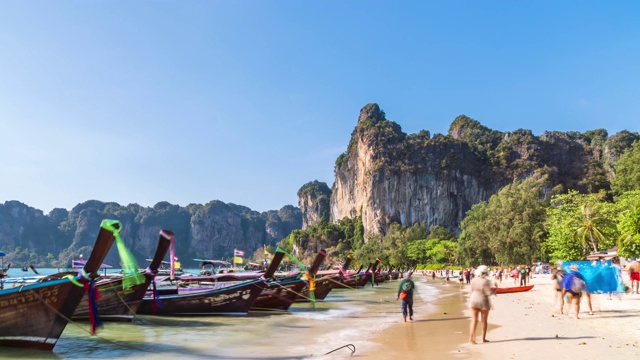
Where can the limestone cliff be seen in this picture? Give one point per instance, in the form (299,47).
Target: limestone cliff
(211,231)
(388,176)
(313,200)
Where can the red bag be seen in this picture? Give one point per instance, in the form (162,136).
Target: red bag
(403,294)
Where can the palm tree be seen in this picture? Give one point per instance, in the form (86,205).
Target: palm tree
(589,228)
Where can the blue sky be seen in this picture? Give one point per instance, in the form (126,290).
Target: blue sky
(245,101)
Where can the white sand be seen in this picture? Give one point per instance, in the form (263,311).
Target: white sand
(523,325)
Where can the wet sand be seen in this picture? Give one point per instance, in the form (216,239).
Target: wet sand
(435,335)
(523,325)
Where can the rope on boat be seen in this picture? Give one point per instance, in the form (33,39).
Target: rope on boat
(351,348)
(341,283)
(68,320)
(297,293)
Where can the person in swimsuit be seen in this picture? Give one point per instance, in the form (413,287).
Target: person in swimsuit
(572,285)
(634,274)
(479,302)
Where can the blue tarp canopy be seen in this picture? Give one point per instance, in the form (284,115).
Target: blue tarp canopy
(2,253)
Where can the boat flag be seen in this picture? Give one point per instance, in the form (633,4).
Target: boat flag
(237,252)
(237,260)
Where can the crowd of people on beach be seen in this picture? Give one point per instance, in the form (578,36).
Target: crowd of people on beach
(573,280)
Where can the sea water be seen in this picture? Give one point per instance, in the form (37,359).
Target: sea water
(347,316)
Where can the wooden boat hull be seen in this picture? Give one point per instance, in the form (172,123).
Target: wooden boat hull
(355,281)
(324,285)
(279,295)
(232,299)
(115,304)
(508,290)
(35,316)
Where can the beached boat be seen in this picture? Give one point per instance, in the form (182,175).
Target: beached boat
(350,279)
(295,287)
(280,293)
(206,295)
(324,285)
(117,303)
(223,298)
(514,289)
(35,315)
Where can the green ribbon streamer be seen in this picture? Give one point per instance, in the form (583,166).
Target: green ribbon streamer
(302,267)
(131,276)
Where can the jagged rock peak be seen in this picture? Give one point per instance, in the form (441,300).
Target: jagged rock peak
(464,126)
(372,112)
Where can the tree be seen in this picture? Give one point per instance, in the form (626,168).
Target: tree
(628,224)
(474,238)
(626,171)
(578,223)
(509,228)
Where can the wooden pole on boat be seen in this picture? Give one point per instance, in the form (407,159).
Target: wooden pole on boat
(275,263)
(101,248)
(172,261)
(347,263)
(317,262)
(166,239)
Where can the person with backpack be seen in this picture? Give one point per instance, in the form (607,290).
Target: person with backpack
(523,275)
(405,293)
(573,285)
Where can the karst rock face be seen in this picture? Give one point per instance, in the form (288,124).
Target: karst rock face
(388,176)
(313,200)
(210,231)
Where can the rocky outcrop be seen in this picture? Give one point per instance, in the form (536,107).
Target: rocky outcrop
(313,200)
(387,176)
(211,231)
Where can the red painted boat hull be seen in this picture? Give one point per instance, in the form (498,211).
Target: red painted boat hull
(508,290)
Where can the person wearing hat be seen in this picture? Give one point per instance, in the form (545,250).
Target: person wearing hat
(572,285)
(405,292)
(479,302)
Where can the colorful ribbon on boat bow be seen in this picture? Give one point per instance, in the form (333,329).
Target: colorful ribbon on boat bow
(342,270)
(312,288)
(131,276)
(156,298)
(93,295)
(302,267)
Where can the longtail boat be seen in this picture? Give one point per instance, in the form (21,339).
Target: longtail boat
(514,289)
(230,297)
(358,279)
(35,315)
(224,298)
(282,292)
(324,285)
(117,303)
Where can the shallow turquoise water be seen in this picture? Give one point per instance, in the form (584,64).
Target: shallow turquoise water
(345,317)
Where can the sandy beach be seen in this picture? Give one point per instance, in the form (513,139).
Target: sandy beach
(523,325)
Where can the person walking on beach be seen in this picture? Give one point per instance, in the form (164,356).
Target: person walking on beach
(405,292)
(558,276)
(634,274)
(523,275)
(573,285)
(479,302)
